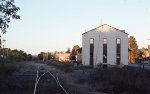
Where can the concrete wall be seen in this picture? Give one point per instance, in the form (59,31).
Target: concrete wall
(99,34)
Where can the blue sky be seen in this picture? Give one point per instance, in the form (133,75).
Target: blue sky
(50,25)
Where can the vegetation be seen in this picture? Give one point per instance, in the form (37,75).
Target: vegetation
(44,56)
(74,50)
(133,47)
(66,67)
(6,70)
(141,53)
(24,84)
(8,11)
(126,80)
(8,55)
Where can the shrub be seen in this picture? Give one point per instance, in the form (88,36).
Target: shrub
(6,69)
(119,80)
(64,66)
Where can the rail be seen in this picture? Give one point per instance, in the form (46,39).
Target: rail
(55,78)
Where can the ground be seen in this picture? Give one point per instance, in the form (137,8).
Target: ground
(20,78)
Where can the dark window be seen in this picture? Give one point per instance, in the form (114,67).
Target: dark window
(104,50)
(118,51)
(91,51)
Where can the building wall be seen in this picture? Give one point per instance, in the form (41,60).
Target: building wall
(149,49)
(64,57)
(146,53)
(98,35)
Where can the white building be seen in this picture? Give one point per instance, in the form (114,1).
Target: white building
(105,44)
(63,57)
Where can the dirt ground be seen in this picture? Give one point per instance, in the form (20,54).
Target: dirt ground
(22,81)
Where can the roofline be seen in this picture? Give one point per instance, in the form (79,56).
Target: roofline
(107,25)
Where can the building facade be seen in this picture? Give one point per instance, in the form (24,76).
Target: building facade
(105,44)
(63,57)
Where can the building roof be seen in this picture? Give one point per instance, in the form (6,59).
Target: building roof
(103,27)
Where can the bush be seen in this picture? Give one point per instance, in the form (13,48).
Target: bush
(64,66)
(118,80)
(72,87)
(6,69)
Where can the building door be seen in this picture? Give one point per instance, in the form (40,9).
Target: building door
(118,50)
(91,52)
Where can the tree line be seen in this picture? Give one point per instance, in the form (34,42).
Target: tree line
(134,53)
(8,55)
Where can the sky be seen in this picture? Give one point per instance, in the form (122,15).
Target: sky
(55,25)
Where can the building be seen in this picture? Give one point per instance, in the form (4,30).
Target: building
(63,57)
(146,54)
(105,44)
(149,50)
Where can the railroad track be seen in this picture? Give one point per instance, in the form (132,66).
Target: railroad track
(56,79)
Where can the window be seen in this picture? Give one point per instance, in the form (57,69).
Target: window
(91,41)
(104,50)
(118,41)
(91,51)
(118,51)
(104,41)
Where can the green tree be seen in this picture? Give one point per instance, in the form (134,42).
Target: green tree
(133,53)
(8,11)
(74,50)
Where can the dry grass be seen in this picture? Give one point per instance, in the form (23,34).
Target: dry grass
(112,80)
(64,66)
(71,86)
(118,80)
(65,79)
(6,69)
